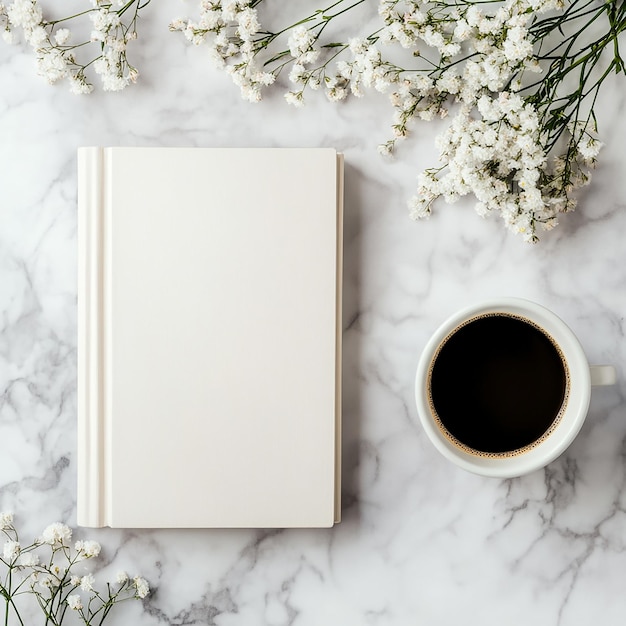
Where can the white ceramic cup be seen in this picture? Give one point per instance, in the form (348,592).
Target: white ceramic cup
(581,377)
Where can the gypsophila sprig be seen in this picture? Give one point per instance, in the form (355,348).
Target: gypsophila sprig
(112,23)
(254,57)
(517,79)
(51,570)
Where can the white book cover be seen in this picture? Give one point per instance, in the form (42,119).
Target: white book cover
(209,337)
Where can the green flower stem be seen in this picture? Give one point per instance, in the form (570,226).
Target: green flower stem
(69,17)
(574,56)
(320,14)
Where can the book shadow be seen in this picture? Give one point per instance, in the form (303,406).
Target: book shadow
(352,341)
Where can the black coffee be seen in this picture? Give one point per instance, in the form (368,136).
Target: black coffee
(498,384)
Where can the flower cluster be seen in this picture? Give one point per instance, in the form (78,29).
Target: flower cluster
(520,138)
(495,146)
(55,48)
(230,27)
(516,79)
(44,569)
(481,156)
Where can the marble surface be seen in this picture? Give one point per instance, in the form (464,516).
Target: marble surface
(421,541)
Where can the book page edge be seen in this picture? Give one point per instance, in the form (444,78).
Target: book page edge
(339,331)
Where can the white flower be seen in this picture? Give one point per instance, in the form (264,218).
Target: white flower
(75,581)
(449,82)
(108,67)
(230,8)
(86,582)
(462,30)
(300,41)
(248,24)
(24,13)
(79,85)
(122,577)
(335,94)
(74,602)
(433,37)
(6,521)
(52,64)
(141,586)
(516,46)
(589,148)
(178,24)
(297,73)
(46,582)
(36,37)
(251,92)
(419,207)
(210,19)
(56,533)
(386,149)
(62,36)
(103,21)
(295,98)
(57,571)
(87,549)
(11,550)
(264,78)
(474,16)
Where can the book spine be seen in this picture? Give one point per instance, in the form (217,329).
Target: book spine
(91,439)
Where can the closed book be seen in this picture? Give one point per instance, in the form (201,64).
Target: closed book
(209,337)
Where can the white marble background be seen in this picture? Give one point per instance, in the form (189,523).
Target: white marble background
(422,542)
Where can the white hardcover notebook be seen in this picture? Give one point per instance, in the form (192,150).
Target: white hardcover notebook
(209,337)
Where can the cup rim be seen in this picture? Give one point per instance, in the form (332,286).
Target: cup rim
(573,416)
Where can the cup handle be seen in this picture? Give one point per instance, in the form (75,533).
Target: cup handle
(602,374)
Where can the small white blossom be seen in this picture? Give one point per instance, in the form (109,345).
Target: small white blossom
(52,64)
(141,586)
(62,36)
(11,550)
(474,16)
(86,582)
(6,520)
(46,582)
(420,207)
(87,549)
(79,85)
(74,602)
(24,13)
(300,41)
(462,31)
(178,24)
(248,24)
(295,98)
(589,148)
(56,533)
(385,149)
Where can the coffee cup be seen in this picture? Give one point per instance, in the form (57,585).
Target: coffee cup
(503,387)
